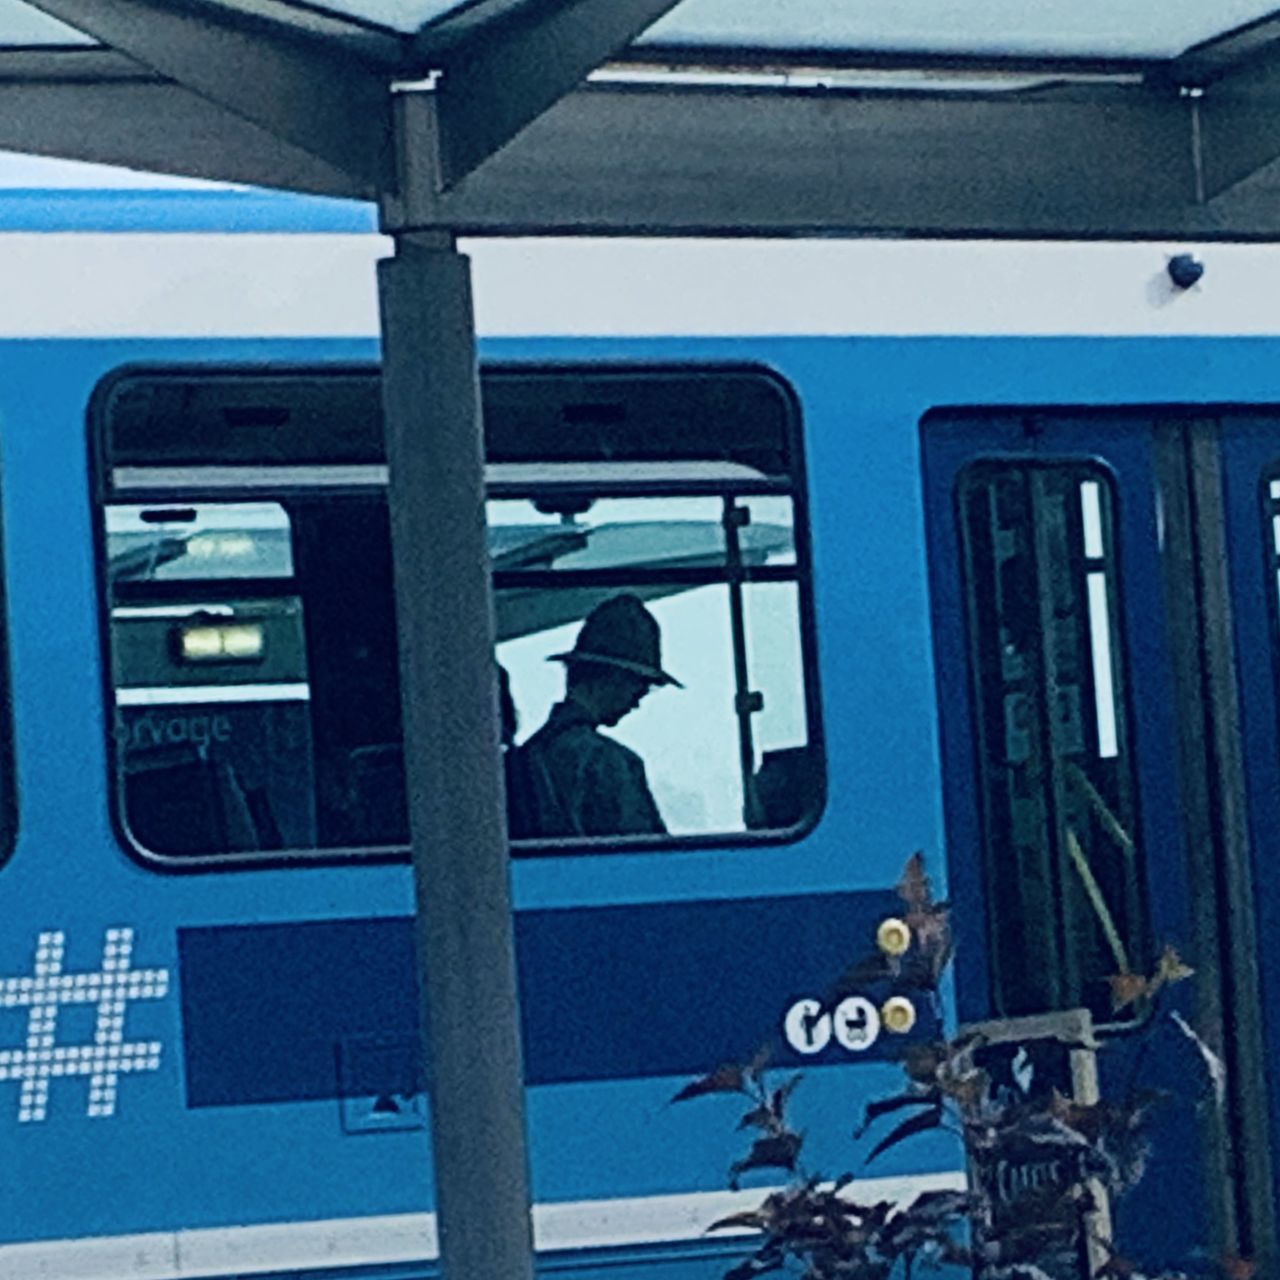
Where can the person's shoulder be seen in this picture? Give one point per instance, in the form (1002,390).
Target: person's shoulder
(560,722)
(619,752)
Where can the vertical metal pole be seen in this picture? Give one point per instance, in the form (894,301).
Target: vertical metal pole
(747,702)
(457,814)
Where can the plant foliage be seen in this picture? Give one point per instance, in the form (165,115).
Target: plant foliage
(1040,1162)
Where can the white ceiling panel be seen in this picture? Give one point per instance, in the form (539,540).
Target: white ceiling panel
(38,172)
(1124,29)
(1142,29)
(399,15)
(1047,28)
(21,26)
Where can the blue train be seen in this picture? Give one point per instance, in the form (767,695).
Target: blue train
(972,549)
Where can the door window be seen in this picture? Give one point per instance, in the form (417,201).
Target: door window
(1066,909)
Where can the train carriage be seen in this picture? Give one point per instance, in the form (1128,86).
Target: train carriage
(967,549)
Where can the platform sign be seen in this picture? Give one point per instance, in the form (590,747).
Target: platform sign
(1044,1203)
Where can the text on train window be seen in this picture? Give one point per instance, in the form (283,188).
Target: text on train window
(1055,765)
(650,592)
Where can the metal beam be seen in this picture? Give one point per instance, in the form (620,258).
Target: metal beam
(314,96)
(731,57)
(1206,62)
(517,66)
(1237,87)
(1081,161)
(159,128)
(1113,162)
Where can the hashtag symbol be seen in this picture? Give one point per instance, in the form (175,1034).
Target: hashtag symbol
(46,991)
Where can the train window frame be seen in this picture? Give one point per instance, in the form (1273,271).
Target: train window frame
(1269,546)
(1105,552)
(10,812)
(790,483)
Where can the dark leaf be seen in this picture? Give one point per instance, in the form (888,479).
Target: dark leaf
(873,1217)
(753,1267)
(854,981)
(922,1062)
(1127,989)
(967,1091)
(914,888)
(1170,969)
(919,1123)
(937,1206)
(757,1118)
(934,947)
(929,1220)
(883,1106)
(759,1061)
(954,1253)
(1095,1121)
(1037,1235)
(778,1102)
(958,1074)
(749,1219)
(1117,1267)
(728,1078)
(776,1151)
(1234,1267)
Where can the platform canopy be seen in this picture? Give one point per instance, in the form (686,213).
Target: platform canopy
(1097,118)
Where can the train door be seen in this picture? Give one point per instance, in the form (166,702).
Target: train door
(1104,591)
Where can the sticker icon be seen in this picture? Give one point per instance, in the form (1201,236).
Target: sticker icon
(856,1023)
(807,1028)
(49,988)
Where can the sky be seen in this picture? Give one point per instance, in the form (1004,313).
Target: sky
(36,171)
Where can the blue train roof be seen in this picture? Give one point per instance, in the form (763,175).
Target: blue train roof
(54,209)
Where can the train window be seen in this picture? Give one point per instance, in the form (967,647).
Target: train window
(210,675)
(1055,764)
(646,533)
(8,789)
(1273,509)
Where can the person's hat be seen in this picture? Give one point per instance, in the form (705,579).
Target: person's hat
(621,633)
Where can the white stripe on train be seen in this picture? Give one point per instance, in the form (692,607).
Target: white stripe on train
(400,1238)
(178,284)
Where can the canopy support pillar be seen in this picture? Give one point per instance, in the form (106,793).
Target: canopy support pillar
(457,811)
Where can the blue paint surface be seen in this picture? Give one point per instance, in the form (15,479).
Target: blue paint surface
(603,1128)
(607,993)
(182,212)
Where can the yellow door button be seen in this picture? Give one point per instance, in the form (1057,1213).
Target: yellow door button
(893,937)
(898,1015)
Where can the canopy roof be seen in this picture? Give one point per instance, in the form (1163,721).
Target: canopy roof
(1113,118)
(910,117)
(1139,30)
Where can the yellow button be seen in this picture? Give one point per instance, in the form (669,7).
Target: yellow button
(893,937)
(898,1015)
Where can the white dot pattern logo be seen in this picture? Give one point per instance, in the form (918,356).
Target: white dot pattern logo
(43,994)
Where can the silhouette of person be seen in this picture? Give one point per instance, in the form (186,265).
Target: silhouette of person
(582,782)
(508,719)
